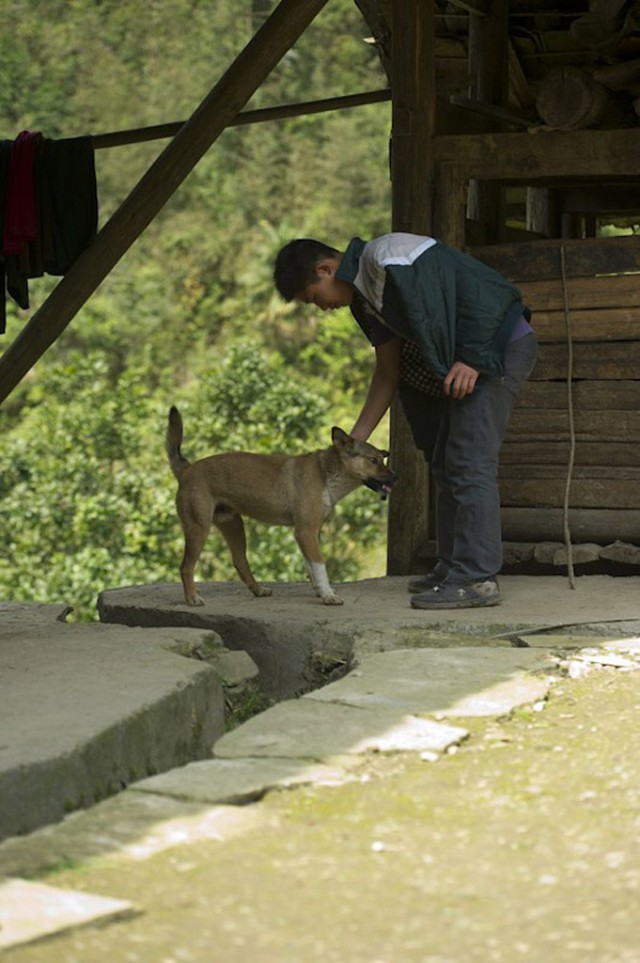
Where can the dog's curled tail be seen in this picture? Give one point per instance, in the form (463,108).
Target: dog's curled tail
(173,441)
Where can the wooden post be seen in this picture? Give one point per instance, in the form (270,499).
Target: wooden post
(450,209)
(413,114)
(217,110)
(489,69)
(413,127)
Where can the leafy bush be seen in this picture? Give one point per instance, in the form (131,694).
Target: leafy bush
(88,499)
(190,314)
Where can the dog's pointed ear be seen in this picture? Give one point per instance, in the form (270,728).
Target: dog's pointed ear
(385,454)
(340,438)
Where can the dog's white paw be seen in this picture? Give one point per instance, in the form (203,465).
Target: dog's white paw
(196,600)
(332,599)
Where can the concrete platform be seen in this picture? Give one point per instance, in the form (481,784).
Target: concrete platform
(88,709)
(300,644)
(85,703)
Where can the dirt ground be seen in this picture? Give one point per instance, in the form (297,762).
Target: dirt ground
(523,845)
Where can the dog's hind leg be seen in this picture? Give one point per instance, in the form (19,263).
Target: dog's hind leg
(309,544)
(232,529)
(195,536)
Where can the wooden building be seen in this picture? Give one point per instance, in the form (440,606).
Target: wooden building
(515,135)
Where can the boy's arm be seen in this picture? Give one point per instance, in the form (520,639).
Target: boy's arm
(382,389)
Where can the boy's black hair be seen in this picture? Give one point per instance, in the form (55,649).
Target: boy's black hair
(295,265)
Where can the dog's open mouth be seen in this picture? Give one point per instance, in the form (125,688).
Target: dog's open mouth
(382,488)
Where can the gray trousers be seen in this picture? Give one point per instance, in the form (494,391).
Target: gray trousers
(465,469)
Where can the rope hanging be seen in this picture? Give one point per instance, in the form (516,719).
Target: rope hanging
(572,430)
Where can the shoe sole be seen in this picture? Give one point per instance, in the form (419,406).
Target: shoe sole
(462,604)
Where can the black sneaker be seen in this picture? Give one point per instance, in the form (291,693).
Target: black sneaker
(452,595)
(422,583)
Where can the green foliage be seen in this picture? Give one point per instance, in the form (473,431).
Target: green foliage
(190,315)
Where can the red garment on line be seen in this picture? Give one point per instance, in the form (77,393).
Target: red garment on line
(20,218)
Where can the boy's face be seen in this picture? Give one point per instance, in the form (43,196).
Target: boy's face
(327,292)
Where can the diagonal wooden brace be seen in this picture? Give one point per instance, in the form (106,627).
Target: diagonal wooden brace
(278,34)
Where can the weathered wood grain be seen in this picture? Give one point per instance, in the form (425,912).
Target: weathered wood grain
(556,452)
(543,157)
(620,362)
(539,260)
(587,395)
(597,525)
(553,425)
(598,291)
(604,324)
(609,492)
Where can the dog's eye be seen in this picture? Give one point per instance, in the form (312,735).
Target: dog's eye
(374,461)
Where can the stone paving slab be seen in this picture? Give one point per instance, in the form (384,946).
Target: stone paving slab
(447,682)
(130,826)
(308,729)
(18,615)
(30,911)
(606,640)
(237,781)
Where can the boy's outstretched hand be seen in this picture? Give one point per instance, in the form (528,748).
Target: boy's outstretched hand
(460,381)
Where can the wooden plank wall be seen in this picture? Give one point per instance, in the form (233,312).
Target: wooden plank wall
(600,279)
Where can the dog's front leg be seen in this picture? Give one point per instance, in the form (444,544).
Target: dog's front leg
(309,544)
(232,528)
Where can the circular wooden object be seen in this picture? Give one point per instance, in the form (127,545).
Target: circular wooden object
(569,98)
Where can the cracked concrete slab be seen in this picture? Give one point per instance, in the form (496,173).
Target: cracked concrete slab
(237,781)
(85,709)
(446,682)
(309,729)
(294,639)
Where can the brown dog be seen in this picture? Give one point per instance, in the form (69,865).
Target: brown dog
(297,490)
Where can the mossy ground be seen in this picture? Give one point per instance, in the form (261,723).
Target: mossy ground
(523,845)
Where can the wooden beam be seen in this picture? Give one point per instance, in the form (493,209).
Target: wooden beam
(539,260)
(555,452)
(545,156)
(139,135)
(620,362)
(413,127)
(479,7)
(552,424)
(489,110)
(609,491)
(158,184)
(587,525)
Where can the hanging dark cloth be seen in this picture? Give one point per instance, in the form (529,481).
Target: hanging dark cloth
(48,209)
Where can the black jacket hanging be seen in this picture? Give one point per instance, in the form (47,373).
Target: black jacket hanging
(66,207)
